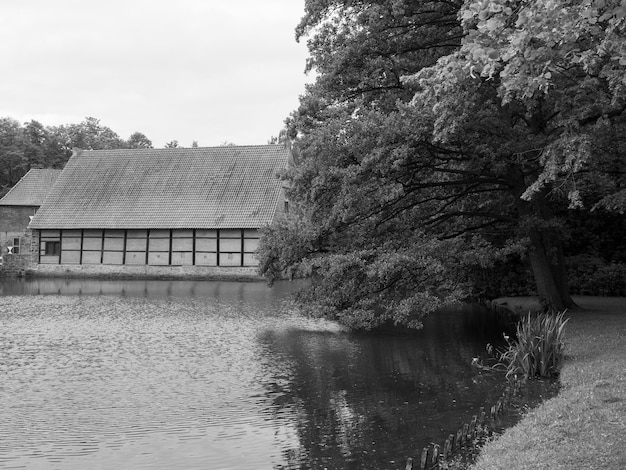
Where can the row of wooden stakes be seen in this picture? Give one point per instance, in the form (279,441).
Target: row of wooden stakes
(481,425)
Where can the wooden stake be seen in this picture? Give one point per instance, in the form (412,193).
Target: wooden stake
(424,459)
(473,426)
(434,458)
(446,448)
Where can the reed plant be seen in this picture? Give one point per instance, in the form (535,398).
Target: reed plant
(537,350)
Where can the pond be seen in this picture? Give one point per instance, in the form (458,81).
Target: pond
(219,375)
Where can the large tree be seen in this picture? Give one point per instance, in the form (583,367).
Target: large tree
(565,62)
(554,74)
(413,170)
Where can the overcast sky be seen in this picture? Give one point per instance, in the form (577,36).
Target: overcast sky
(204,70)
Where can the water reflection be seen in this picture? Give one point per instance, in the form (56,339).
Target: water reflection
(153,289)
(370,401)
(167,375)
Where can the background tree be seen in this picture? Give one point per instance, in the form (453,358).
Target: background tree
(88,135)
(36,139)
(138,140)
(282,138)
(13,161)
(34,145)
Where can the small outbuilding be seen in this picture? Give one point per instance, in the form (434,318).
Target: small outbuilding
(19,205)
(156,212)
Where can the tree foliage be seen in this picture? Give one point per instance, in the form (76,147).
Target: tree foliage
(570,55)
(88,135)
(423,158)
(138,140)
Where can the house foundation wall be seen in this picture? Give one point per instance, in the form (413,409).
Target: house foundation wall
(147,272)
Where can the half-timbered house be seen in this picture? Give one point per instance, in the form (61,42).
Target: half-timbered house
(146,211)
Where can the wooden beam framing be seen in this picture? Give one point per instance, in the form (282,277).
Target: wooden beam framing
(82,241)
(101,248)
(169,261)
(124,247)
(217,254)
(193,247)
(242,247)
(147,246)
(60,245)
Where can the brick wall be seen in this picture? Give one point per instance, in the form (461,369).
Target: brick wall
(24,262)
(15,218)
(14,222)
(16,265)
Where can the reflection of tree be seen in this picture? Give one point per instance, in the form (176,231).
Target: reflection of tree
(363,401)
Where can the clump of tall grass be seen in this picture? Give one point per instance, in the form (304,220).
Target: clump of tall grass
(537,350)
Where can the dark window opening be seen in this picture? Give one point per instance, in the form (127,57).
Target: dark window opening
(16,246)
(53,248)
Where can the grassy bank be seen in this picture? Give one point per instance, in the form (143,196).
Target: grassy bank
(584,427)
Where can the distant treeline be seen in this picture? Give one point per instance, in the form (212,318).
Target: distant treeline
(33,145)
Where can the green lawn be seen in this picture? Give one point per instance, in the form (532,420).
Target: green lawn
(584,426)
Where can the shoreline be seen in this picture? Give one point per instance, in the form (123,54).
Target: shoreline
(584,426)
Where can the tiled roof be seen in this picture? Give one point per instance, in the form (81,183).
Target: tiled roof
(32,189)
(217,187)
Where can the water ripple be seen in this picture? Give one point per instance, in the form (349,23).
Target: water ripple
(221,382)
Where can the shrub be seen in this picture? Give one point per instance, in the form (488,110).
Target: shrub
(590,275)
(538,349)
(609,280)
(580,269)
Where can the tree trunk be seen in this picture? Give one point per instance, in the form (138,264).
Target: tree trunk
(545,251)
(548,265)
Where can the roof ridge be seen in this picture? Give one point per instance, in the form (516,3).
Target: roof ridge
(174,149)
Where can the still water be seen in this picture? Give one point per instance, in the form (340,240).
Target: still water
(199,375)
